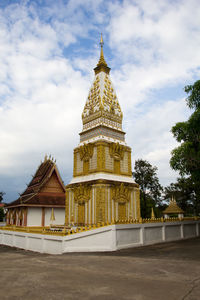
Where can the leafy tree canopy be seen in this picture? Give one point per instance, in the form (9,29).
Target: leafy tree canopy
(1,209)
(2,215)
(186,157)
(193,91)
(150,188)
(1,196)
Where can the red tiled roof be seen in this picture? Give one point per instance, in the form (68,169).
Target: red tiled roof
(32,195)
(39,179)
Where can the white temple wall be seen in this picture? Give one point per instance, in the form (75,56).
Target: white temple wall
(34,216)
(59,214)
(108,238)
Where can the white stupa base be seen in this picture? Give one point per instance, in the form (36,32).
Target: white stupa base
(104,176)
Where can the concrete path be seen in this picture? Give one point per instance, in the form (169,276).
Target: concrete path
(166,271)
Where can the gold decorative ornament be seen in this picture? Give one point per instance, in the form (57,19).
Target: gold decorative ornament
(116,151)
(121,193)
(82,193)
(86,151)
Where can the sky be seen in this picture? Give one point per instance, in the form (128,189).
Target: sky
(48,50)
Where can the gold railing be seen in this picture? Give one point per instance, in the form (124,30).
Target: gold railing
(61,230)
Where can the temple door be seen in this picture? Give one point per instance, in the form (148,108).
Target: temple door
(81,213)
(121,211)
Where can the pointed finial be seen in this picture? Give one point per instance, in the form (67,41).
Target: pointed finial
(173,199)
(102,65)
(101,41)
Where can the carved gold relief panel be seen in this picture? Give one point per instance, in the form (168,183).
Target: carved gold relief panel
(81,213)
(86,151)
(116,151)
(75,164)
(82,193)
(86,167)
(137,199)
(100,157)
(121,193)
(129,164)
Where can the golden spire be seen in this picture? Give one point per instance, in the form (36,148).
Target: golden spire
(102,65)
(152,213)
(101,41)
(52,215)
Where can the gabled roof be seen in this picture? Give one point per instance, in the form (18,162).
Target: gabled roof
(41,176)
(33,194)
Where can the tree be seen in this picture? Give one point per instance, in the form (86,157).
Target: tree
(2,215)
(150,188)
(186,157)
(193,100)
(1,208)
(1,196)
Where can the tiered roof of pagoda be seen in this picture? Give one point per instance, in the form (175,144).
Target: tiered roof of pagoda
(102,108)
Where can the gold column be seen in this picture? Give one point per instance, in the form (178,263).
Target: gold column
(67,208)
(129,164)
(75,164)
(137,199)
(43,217)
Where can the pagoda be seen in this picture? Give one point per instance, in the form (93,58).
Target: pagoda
(173,210)
(102,189)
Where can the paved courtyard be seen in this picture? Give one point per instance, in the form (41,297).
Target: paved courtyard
(166,271)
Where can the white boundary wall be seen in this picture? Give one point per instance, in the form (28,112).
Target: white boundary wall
(108,238)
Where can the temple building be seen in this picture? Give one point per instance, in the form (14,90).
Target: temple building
(102,188)
(43,201)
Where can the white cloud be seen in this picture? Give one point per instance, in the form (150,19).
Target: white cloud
(41,94)
(160,41)
(44,82)
(149,135)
